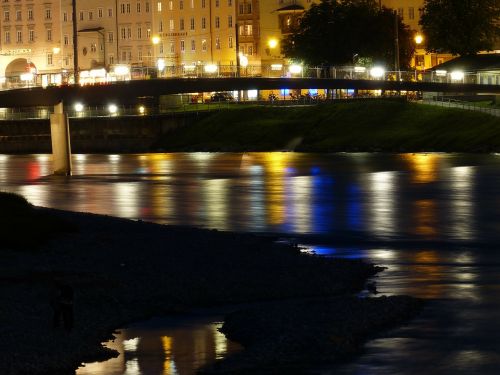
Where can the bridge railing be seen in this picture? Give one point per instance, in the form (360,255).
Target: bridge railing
(273,71)
(470,106)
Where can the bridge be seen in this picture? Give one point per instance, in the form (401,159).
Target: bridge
(128,92)
(132,91)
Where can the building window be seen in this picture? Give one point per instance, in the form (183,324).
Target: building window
(181,24)
(19,15)
(100,12)
(217,22)
(230,21)
(230,42)
(217,43)
(31,35)
(49,35)
(19,36)
(50,59)
(192,23)
(110,37)
(183,47)
(193,45)
(7,37)
(110,14)
(66,40)
(411,13)
(6,15)
(48,14)
(139,11)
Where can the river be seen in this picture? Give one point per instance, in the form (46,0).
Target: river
(432,219)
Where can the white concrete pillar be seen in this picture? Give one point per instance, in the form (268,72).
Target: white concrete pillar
(61,148)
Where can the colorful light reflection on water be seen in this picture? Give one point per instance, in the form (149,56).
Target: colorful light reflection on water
(428,196)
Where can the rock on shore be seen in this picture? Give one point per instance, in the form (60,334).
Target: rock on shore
(122,271)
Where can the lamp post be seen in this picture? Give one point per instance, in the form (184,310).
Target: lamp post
(155,40)
(419,39)
(75,44)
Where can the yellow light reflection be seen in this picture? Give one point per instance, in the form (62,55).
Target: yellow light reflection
(429,272)
(425,218)
(215,194)
(275,164)
(220,342)
(423,167)
(168,364)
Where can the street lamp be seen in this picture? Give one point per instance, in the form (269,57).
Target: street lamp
(419,39)
(155,40)
(272,43)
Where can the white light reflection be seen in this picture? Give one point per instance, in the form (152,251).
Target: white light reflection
(114,158)
(126,199)
(132,367)
(301,188)
(382,203)
(461,201)
(131,345)
(257,199)
(37,195)
(215,197)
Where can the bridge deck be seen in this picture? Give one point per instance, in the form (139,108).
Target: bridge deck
(127,92)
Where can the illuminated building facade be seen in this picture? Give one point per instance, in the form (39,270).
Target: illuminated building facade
(192,34)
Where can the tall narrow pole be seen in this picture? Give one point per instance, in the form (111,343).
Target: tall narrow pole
(237,45)
(396,44)
(75,45)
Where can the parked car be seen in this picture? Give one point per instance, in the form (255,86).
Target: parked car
(221,97)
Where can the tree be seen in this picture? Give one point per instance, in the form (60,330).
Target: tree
(461,27)
(336,31)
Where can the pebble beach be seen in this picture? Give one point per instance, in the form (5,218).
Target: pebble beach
(124,271)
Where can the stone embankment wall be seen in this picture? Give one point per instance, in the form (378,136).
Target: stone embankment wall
(94,135)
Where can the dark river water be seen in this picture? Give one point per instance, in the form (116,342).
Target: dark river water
(432,219)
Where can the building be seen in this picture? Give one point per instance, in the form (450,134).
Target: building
(30,40)
(194,35)
(148,37)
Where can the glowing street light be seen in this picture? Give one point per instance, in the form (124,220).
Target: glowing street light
(457,75)
(78,107)
(113,109)
(122,70)
(161,64)
(56,50)
(419,39)
(272,43)
(211,68)
(155,40)
(243,60)
(295,69)
(377,72)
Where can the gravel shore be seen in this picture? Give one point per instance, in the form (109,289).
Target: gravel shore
(123,271)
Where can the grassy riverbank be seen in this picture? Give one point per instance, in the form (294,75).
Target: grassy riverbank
(373,125)
(123,271)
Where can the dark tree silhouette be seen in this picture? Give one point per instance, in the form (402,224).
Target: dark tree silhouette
(334,31)
(461,27)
